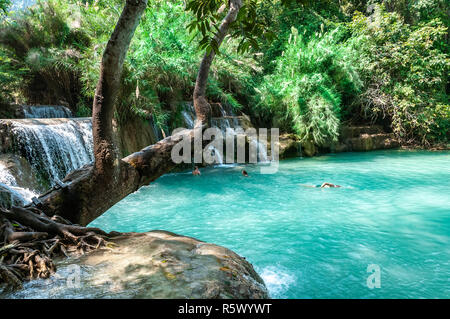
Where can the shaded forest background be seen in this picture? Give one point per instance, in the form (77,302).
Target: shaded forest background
(323,63)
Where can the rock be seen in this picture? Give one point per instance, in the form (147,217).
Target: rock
(356,131)
(308,148)
(156,264)
(244,122)
(11,111)
(289,146)
(367,142)
(22,171)
(134,134)
(364,138)
(9,197)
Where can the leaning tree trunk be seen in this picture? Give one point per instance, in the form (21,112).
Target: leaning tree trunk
(34,235)
(105,152)
(110,179)
(201,105)
(108,171)
(31,238)
(89,192)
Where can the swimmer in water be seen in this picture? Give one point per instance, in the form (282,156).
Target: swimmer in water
(324,185)
(329,185)
(196,171)
(245,173)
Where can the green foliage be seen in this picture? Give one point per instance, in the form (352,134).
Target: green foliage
(248,27)
(310,81)
(43,46)
(55,49)
(310,18)
(405,70)
(328,62)
(4,5)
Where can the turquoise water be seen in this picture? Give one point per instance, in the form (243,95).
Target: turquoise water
(393,211)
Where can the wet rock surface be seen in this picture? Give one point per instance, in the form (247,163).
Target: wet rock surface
(8,197)
(365,138)
(155,264)
(289,146)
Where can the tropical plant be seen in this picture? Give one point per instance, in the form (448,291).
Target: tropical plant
(310,82)
(405,71)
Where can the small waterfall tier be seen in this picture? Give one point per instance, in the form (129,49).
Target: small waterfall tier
(53,147)
(9,186)
(46,111)
(224,118)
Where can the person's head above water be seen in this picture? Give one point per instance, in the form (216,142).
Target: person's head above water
(329,185)
(196,171)
(244,172)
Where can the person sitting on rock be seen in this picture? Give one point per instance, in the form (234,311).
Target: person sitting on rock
(244,172)
(196,171)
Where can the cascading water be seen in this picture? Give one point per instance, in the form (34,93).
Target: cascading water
(46,111)
(5,176)
(228,124)
(261,150)
(216,154)
(56,149)
(188,114)
(8,181)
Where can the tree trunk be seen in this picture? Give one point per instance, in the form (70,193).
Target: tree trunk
(105,152)
(201,105)
(109,177)
(93,189)
(84,198)
(33,237)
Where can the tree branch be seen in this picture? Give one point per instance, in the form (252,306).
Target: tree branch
(201,105)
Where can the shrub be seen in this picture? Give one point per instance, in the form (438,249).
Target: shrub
(56,48)
(405,71)
(311,80)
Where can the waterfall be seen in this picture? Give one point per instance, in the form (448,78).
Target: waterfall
(46,111)
(261,150)
(8,181)
(218,156)
(5,176)
(227,121)
(55,149)
(188,119)
(188,114)
(221,123)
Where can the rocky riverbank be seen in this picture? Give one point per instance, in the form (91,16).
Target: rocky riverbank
(360,138)
(156,264)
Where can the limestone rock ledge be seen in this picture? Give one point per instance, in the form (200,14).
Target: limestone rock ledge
(156,264)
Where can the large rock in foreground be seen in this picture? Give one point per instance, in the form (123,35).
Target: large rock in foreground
(156,264)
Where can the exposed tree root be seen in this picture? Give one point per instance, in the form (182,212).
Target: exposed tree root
(29,240)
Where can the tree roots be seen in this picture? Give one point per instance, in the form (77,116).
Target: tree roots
(29,240)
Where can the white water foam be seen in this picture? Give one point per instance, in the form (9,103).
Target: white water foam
(10,183)
(227,126)
(46,111)
(277,280)
(55,149)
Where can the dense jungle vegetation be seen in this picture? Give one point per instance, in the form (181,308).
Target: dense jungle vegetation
(317,64)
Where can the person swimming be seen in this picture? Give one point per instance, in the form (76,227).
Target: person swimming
(196,171)
(244,172)
(324,185)
(329,185)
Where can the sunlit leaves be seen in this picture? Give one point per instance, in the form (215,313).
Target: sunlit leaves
(4,5)
(248,28)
